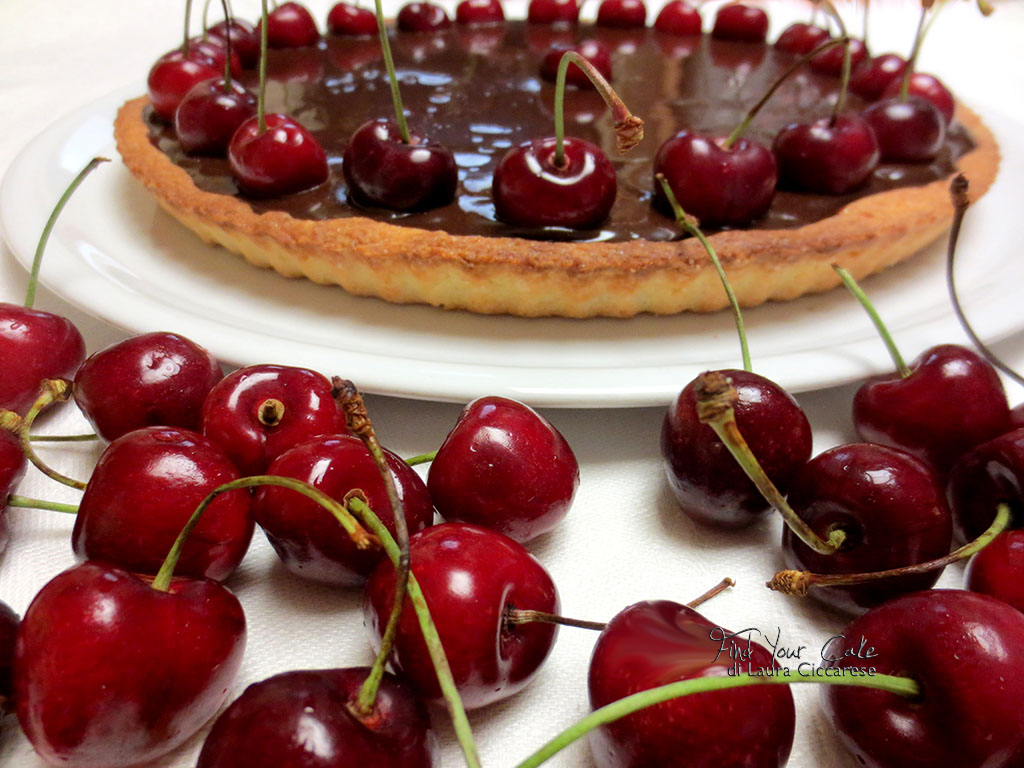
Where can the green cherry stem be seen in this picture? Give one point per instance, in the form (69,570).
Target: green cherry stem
(431,639)
(50,391)
(37,260)
(867,11)
(629,129)
(26,502)
(609,713)
(423,458)
(261,98)
(715,399)
(858,292)
(360,537)
(227,41)
(798,582)
(389,64)
(206,13)
(63,438)
(188,17)
(687,223)
(844,86)
(912,59)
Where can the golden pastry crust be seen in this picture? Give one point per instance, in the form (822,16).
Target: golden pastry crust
(504,275)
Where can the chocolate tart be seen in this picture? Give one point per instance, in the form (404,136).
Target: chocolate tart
(480,92)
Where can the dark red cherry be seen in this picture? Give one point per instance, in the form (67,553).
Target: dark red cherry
(290,25)
(156,379)
(531,190)
(245,40)
(8,634)
(213,51)
(873,76)
(469,12)
(553,11)
(800,38)
(143,490)
(12,470)
(677,17)
(659,642)
(173,76)
(382,170)
(470,578)
(927,87)
(830,62)
(351,20)
(892,510)
(257,413)
(284,159)
(422,17)
(910,131)
(743,23)
(593,51)
(34,345)
(721,187)
(307,537)
(998,570)
(209,115)
(1017,416)
(621,14)
(305,719)
(828,156)
(504,467)
(951,401)
(705,479)
(984,477)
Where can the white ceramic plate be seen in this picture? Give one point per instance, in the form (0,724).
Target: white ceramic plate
(115,254)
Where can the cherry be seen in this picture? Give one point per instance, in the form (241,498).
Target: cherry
(829,156)
(592,50)
(143,490)
(290,25)
(280,160)
(1017,416)
(213,51)
(209,115)
(382,169)
(873,76)
(997,570)
(743,23)
(422,17)
(8,634)
(985,476)
(163,661)
(306,537)
(658,642)
(830,62)
(470,578)
(12,470)
(966,652)
(926,87)
(678,17)
(553,12)
(305,719)
(349,19)
(173,76)
(908,131)
(801,38)
(706,481)
(621,14)
(505,467)
(34,345)
(479,12)
(245,40)
(890,508)
(257,413)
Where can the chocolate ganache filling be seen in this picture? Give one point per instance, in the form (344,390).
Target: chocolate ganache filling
(479,92)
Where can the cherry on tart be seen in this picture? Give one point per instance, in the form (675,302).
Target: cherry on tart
(801,38)
(351,20)
(290,25)
(422,17)
(111,671)
(470,577)
(155,379)
(654,643)
(473,12)
(621,14)
(677,17)
(873,76)
(244,38)
(304,719)
(209,115)
(743,23)
(213,51)
(278,159)
(172,77)
(553,12)
(830,62)
(909,130)
(927,87)
(830,156)
(998,569)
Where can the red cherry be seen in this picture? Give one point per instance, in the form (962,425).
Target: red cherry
(593,51)
(213,51)
(156,379)
(110,672)
(504,467)
(257,413)
(984,477)
(34,345)
(245,40)
(143,490)
(553,11)
(872,77)
(621,14)
(800,38)
(998,570)
(743,23)
(351,20)
(290,25)
(828,156)
(172,77)
(304,719)
(967,653)
(285,158)
(910,131)
(470,578)
(209,115)
(659,642)
(927,87)
(479,12)
(422,17)
(8,634)
(12,470)
(307,537)
(830,62)
(383,170)
(1017,416)
(677,17)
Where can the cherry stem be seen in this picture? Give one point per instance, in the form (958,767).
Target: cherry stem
(50,391)
(358,421)
(358,534)
(690,226)
(864,36)
(958,191)
(715,591)
(629,129)
(423,458)
(858,292)
(389,64)
(63,438)
(188,16)
(206,13)
(798,582)
(715,399)
(37,261)
(740,129)
(261,98)
(227,40)
(912,60)
(26,502)
(431,638)
(270,412)
(516,616)
(844,84)
(903,686)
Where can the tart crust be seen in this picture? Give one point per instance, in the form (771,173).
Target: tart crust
(529,278)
